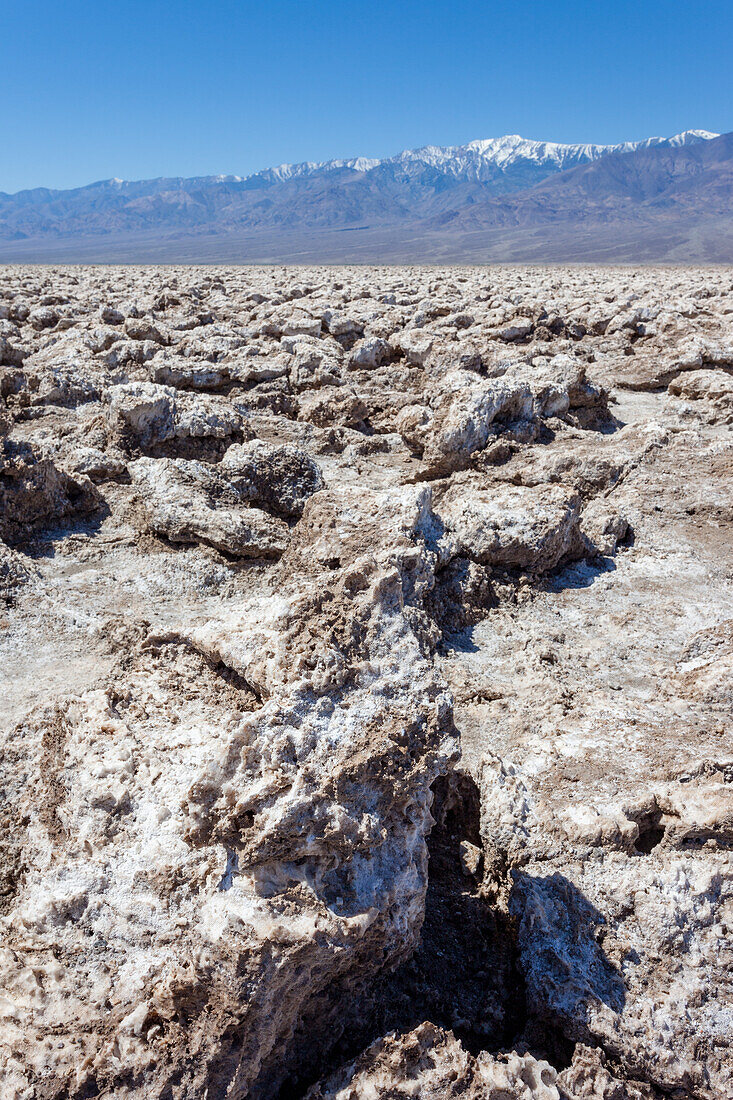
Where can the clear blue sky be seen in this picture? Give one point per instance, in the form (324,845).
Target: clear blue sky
(142,88)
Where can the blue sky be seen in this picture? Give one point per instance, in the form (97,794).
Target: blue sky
(142,88)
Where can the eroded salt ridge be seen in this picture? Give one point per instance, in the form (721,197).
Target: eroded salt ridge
(367,639)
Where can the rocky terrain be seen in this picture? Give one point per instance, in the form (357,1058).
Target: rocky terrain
(367,683)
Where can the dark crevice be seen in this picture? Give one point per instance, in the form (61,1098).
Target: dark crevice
(651,833)
(236,680)
(547,1041)
(627,540)
(463,975)
(705,839)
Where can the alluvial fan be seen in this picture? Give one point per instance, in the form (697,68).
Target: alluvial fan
(366,642)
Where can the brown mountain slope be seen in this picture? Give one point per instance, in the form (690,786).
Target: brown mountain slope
(647,185)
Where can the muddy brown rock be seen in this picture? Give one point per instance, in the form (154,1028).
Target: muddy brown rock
(34,491)
(188,502)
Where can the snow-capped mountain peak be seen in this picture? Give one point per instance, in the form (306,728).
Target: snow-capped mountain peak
(484,159)
(509,162)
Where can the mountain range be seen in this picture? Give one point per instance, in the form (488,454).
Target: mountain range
(508,198)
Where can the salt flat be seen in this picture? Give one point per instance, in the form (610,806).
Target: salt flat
(367,651)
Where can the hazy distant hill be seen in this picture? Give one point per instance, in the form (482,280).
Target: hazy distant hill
(505,198)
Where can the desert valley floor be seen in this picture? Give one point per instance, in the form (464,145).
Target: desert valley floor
(366,644)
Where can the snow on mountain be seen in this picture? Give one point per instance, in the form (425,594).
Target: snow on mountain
(309,168)
(505,181)
(481,160)
(511,162)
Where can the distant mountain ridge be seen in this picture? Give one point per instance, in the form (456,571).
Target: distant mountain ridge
(477,160)
(482,159)
(653,181)
(431,197)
